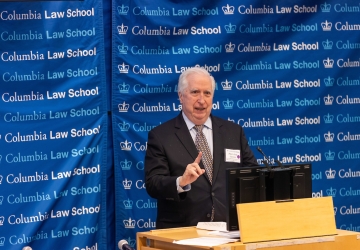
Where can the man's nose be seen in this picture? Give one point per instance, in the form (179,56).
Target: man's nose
(201,98)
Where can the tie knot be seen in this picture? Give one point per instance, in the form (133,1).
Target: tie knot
(199,128)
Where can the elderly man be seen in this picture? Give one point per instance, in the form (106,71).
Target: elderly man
(187,156)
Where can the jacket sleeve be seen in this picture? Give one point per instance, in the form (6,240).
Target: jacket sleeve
(248,157)
(158,180)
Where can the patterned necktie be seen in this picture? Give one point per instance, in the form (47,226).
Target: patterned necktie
(202,146)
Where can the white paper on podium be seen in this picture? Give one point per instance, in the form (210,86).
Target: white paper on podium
(205,241)
(218,229)
(215,226)
(231,234)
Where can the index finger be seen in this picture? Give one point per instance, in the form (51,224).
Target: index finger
(198,158)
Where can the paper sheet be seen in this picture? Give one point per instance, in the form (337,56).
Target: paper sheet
(205,241)
(231,234)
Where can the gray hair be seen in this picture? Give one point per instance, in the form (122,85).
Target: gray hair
(183,83)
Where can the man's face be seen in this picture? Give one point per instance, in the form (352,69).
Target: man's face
(197,98)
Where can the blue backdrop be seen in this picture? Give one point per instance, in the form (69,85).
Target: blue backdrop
(82,83)
(54,125)
(287,72)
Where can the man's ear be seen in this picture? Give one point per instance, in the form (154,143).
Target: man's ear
(180,96)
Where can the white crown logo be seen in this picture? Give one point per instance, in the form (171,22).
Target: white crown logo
(124,88)
(124,127)
(2,220)
(228,104)
(122,29)
(123,10)
(328,118)
(129,223)
(329,82)
(123,107)
(123,68)
(328,63)
(327,44)
(123,49)
(328,100)
(329,155)
(227,85)
(326,26)
(228,10)
(329,137)
(230,28)
(125,165)
(128,204)
(2,241)
(126,145)
(127,184)
(330,174)
(325,7)
(331,192)
(229,47)
(228,66)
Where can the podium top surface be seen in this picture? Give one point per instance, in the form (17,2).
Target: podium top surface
(169,235)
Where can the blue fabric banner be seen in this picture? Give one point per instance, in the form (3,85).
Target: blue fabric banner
(286,72)
(53,156)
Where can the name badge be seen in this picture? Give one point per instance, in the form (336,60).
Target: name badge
(232,155)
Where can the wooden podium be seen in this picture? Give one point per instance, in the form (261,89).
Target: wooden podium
(276,225)
(289,219)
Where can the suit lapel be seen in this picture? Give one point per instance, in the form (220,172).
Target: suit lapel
(184,136)
(218,150)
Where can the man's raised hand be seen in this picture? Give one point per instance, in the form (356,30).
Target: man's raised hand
(192,172)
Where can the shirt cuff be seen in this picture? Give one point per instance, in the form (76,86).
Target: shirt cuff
(182,189)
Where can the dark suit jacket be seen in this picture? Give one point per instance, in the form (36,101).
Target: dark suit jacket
(170,149)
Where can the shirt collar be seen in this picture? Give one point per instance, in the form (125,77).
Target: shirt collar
(190,124)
